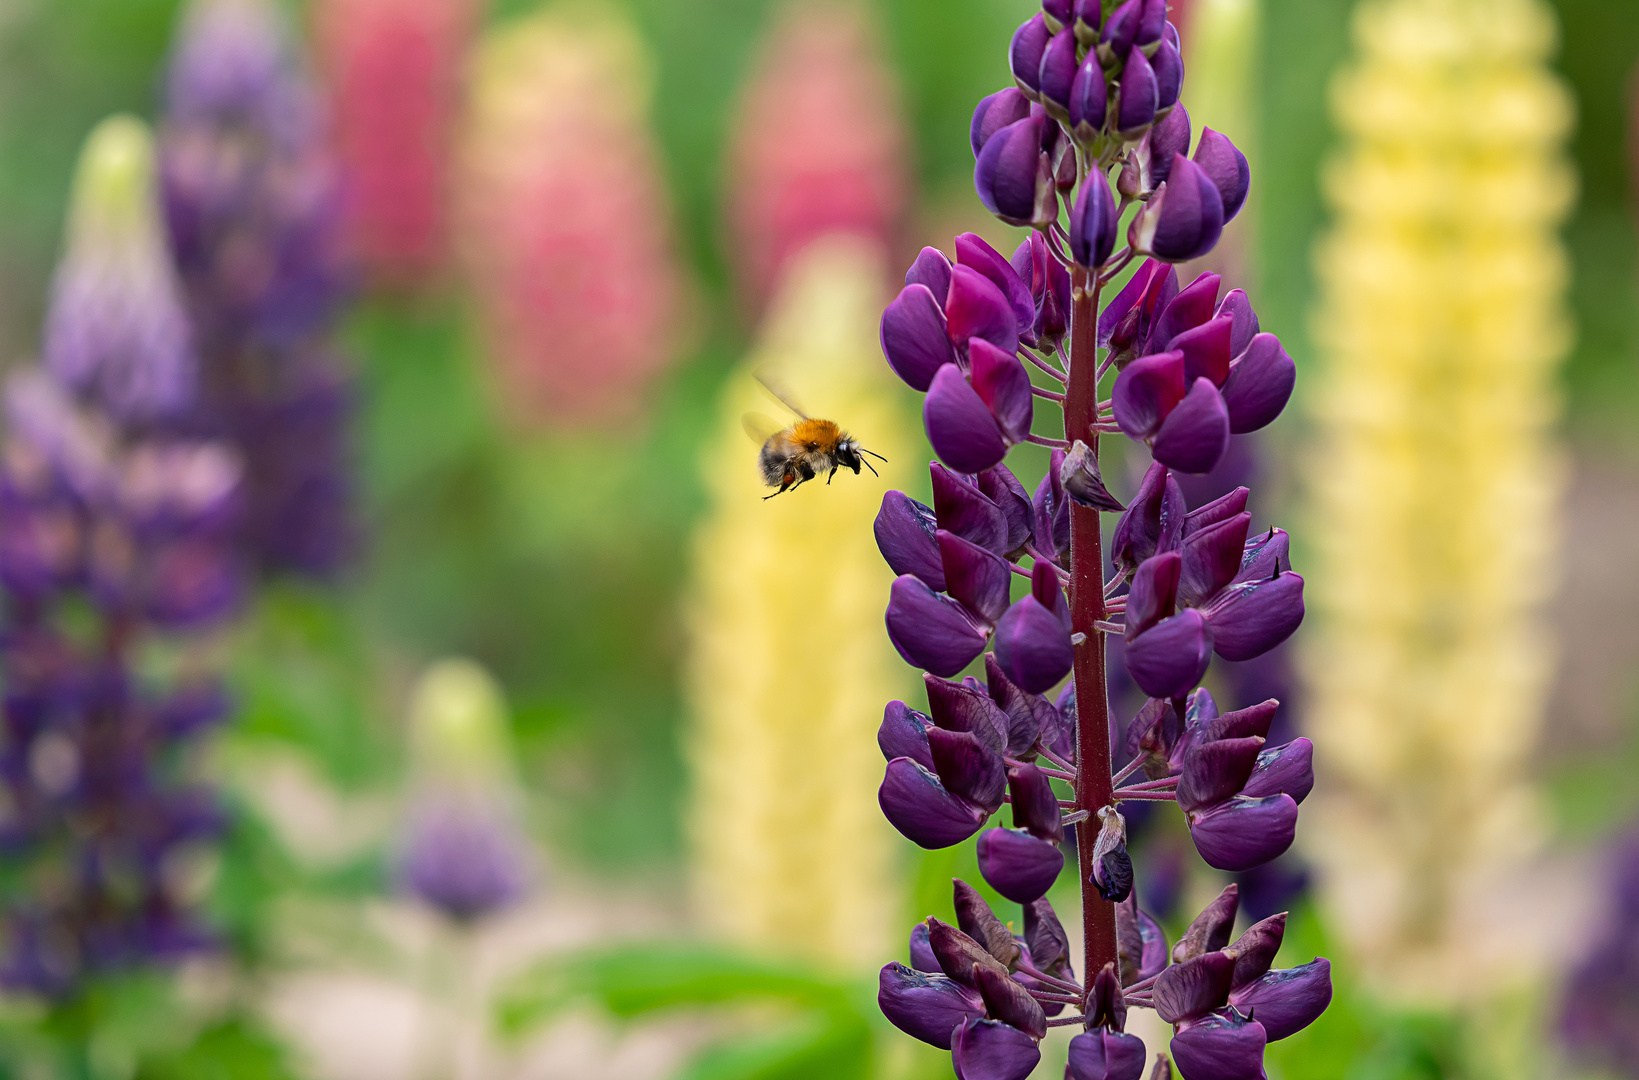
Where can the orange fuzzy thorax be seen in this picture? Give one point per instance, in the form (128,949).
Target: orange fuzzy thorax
(823,432)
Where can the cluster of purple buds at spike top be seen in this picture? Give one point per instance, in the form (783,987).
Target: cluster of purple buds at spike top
(1194,369)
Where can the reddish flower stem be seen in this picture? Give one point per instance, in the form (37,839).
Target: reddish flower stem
(1093,788)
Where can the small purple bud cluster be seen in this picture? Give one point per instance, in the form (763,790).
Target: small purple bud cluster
(253,203)
(1096,94)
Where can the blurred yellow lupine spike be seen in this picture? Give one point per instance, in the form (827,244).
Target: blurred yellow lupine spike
(1441,324)
(789,665)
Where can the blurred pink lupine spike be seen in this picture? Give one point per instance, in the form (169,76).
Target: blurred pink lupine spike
(562,220)
(818,145)
(394,71)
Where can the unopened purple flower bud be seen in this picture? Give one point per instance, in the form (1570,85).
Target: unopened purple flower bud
(914,336)
(1082,481)
(1251,617)
(1001,487)
(1195,987)
(1219,1047)
(1212,557)
(1154,520)
(904,531)
(1169,76)
(977,307)
(932,268)
(1009,1002)
(1152,23)
(931,631)
(1058,72)
(1015,177)
(1018,865)
(926,1006)
(1211,929)
(1033,638)
(1259,384)
(992,1050)
(1287,1000)
(1106,1055)
(1183,219)
(1035,805)
(1089,17)
(1227,168)
(1004,386)
(1169,658)
(1024,54)
(904,733)
(1216,771)
(1288,769)
(1089,101)
(1242,833)
(1137,95)
(917,804)
(1195,434)
(995,112)
(968,768)
(465,860)
(960,426)
(1121,29)
(921,953)
(1151,159)
(1255,950)
(975,919)
(1093,223)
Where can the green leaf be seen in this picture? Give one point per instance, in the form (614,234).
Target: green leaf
(817,1046)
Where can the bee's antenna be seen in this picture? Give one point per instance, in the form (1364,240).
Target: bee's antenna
(868,465)
(873,453)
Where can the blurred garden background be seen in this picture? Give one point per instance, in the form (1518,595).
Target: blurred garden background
(494,728)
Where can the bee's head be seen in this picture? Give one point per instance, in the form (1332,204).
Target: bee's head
(848,455)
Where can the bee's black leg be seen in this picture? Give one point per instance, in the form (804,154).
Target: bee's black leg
(829,475)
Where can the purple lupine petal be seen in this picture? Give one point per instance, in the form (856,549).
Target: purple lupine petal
(931,631)
(904,531)
(968,768)
(1169,658)
(1001,487)
(1012,176)
(1209,931)
(1121,28)
(1251,617)
(917,804)
(1093,223)
(1049,592)
(1004,386)
(904,733)
(1236,305)
(1192,307)
(1227,168)
(1252,720)
(1011,1003)
(1195,434)
(1219,1048)
(1152,22)
(1154,592)
(1287,1000)
(973,251)
(975,919)
(1183,219)
(1222,508)
(977,307)
(1057,73)
(957,706)
(1215,771)
(959,425)
(1024,54)
(1137,96)
(1169,75)
(1057,13)
(978,578)
(921,953)
(1266,555)
(959,953)
(992,1050)
(1035,805)
(1147,392)
(961,508)
(1154,520)
(1212,557)
(924,1006)
(1089,98)
(1125,324)
(1033,646)
(1106,1055)
(1028,715)
(914,336)
(1019,866)
(1255,950)
(1052,513)
(1089,15)
(1206,350)
(1259,384)
(993,113)
(1288,769)
(1242,833)
(1044,934)
(1194,988)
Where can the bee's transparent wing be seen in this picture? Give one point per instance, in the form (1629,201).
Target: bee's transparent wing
(780,391)
(761,428)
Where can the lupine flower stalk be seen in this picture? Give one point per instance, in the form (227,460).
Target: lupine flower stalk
(786,667)
(253,204)
(1093,114)
(1442,318)
(562,221)
(819,73)
(394,70)
(116,537)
